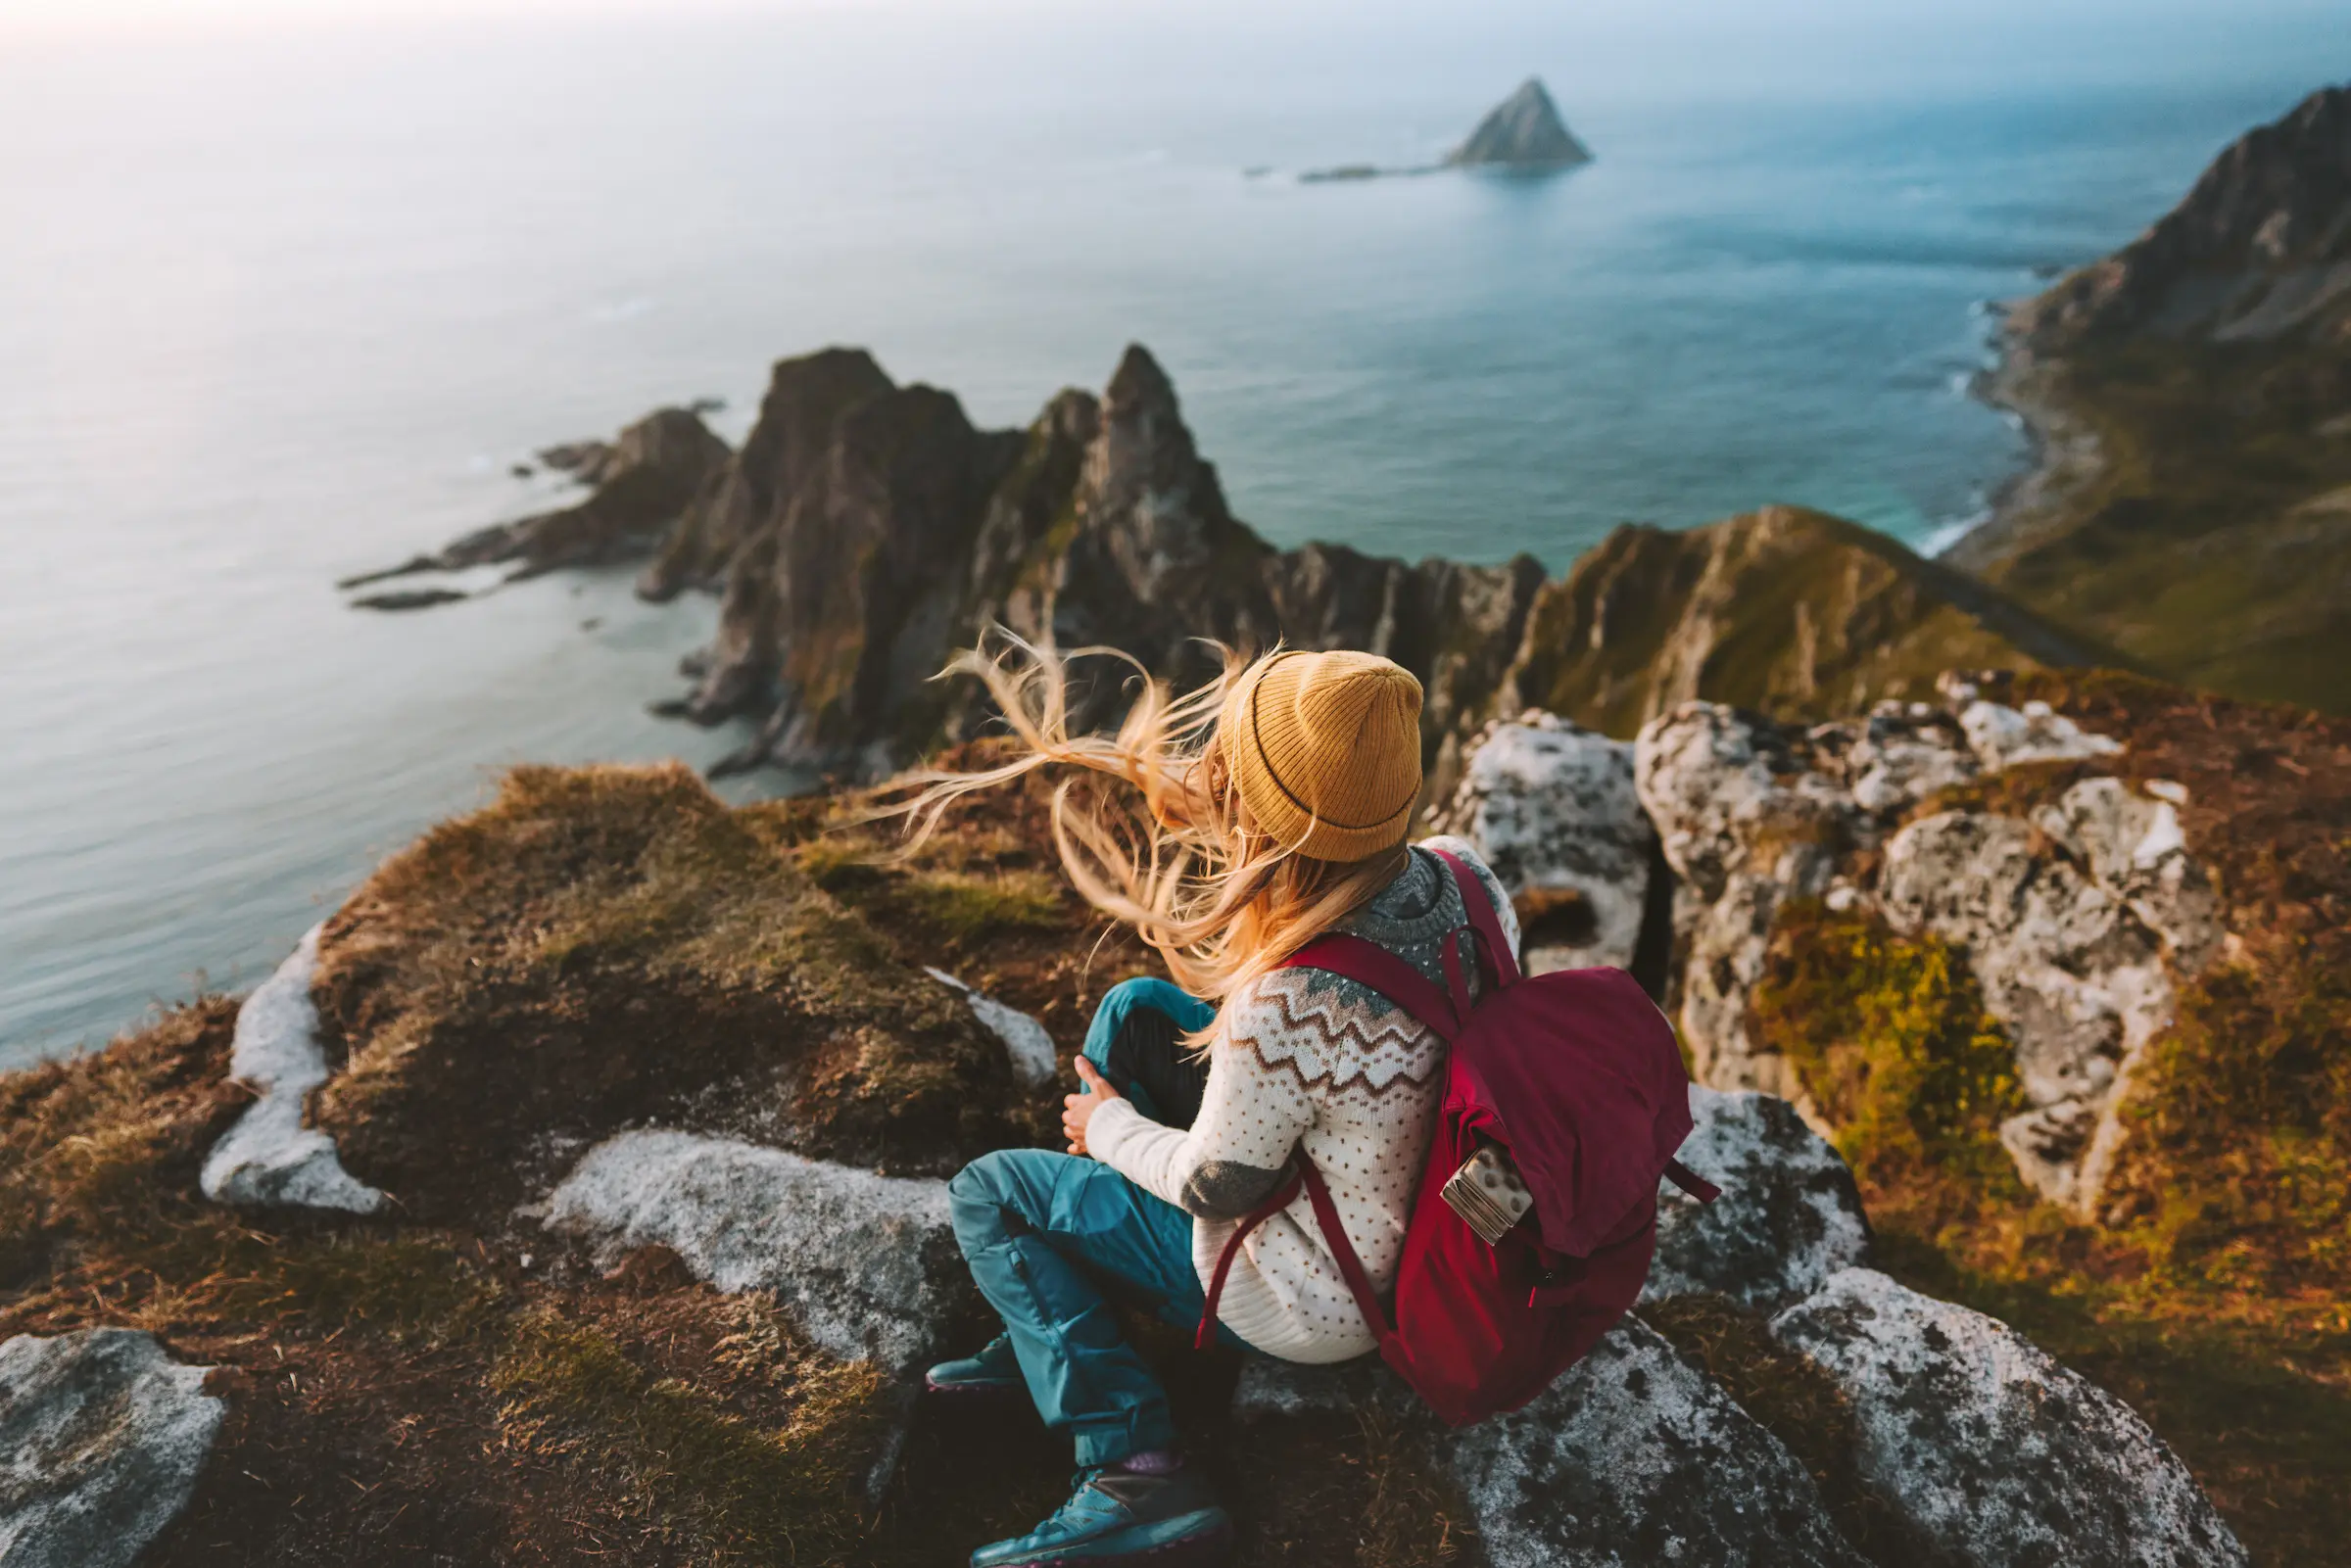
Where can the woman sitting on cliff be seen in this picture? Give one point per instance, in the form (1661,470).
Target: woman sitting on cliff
(1247,819)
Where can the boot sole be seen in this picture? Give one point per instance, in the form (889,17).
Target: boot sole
(976,1393)
(1201,1549)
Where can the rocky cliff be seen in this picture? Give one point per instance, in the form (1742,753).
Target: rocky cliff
(2191,400)
(868,532)
(865,532)
(612,1123)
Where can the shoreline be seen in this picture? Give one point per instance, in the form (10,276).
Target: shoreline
(2063,453)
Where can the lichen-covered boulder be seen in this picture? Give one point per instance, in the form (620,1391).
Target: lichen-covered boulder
(1997,1455)
(102,1437)
(2065,964)
(1747,825)
(269,1157)
(866,1264)
(1635,1456)
(1551,808)
(1789,1216)
(2003,737)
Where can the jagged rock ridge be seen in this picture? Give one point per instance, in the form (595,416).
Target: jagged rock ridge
(866,531)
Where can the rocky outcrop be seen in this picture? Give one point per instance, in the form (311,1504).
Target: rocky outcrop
(1636,1457)
(1028,1046)
(866,531)
(1993,1452)
(1524,131)
(1551,807)
(270,1157)
(102,1437)
(1633,1456)
(2073,923)
(650,476)
(2075,952)
(1789,1216)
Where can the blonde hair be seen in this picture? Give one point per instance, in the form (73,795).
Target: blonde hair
(1173,854)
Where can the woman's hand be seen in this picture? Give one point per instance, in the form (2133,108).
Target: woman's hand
(1079,1109)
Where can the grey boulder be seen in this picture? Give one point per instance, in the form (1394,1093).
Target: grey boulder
(866,1264)
(102,1437)
(1551,808)
(1994,1453)
(1636,1457)
(1789,1216)
(269,1157)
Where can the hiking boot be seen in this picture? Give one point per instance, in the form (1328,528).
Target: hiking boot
(994,1370)
(1117,1516)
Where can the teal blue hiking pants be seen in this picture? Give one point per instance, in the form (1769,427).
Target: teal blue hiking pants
(1054,1239)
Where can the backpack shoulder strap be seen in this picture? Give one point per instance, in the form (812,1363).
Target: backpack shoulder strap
(1374,967)
(1483,920)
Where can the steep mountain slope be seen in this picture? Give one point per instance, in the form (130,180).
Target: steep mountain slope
(2192,398)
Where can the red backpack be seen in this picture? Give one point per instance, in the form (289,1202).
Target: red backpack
(1578,1076)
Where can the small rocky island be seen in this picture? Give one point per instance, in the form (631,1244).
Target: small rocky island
(1522,134)
(1524,131)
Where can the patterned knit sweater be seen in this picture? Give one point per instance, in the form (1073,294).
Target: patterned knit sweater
(1306,1057)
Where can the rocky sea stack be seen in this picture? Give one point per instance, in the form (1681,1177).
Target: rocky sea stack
(1524,131)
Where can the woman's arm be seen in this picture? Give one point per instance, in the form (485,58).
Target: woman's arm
(1253,1111)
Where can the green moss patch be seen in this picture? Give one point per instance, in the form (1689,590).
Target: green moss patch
(1889,1036)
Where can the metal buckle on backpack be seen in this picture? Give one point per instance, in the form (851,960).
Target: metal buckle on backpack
(1488,1194)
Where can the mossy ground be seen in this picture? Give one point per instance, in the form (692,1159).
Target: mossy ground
(607,946)
(2216,1296)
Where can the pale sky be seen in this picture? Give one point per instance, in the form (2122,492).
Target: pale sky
(1611,13)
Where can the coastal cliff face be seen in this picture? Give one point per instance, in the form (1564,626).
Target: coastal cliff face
(866,531)
(2259,248)
(2191,400)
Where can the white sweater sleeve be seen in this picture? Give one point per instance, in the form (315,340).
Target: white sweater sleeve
(1252,1113)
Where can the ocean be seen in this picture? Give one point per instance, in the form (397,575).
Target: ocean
(283,303)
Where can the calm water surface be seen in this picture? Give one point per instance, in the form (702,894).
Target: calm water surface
(278,308)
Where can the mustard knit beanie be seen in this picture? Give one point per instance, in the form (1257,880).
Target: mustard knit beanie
(1326,749)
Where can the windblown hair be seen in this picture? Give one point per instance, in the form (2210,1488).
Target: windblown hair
(1169,849)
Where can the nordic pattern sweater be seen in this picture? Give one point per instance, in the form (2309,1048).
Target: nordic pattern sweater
(1306,1059)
